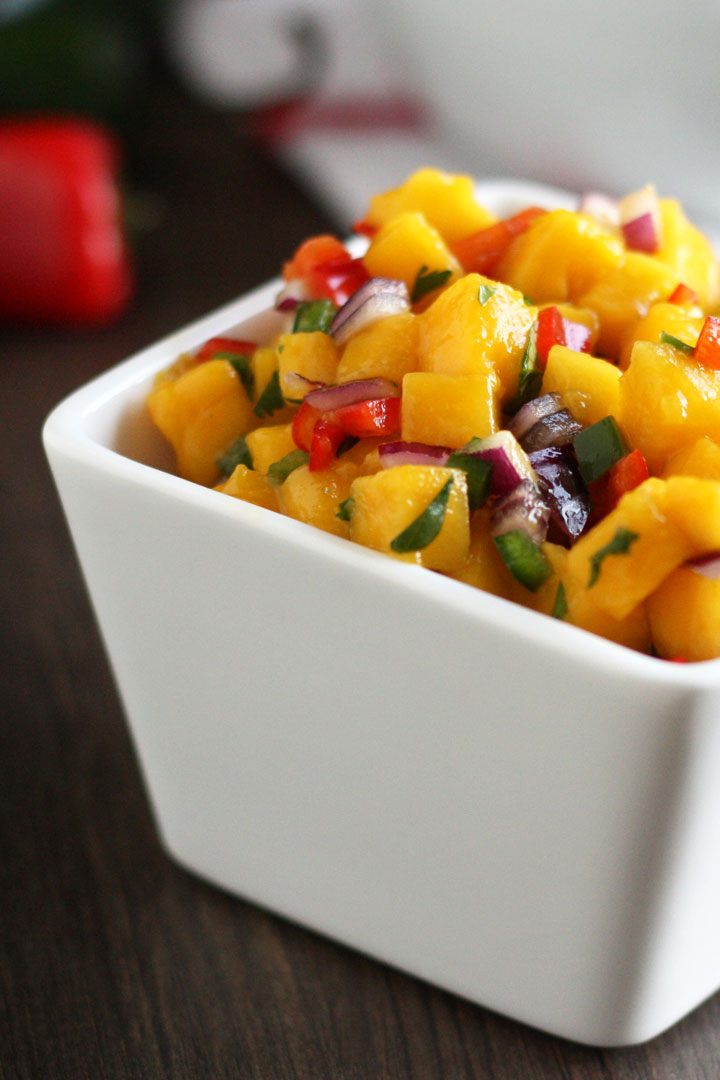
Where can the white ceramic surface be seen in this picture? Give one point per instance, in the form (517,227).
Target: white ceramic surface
(495,801)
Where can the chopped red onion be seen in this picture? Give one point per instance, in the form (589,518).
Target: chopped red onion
(335,397)
(510,463)
(525,509)
(376,299)
(412,453)
(296,386)
(640,220)
(532,411)
(707,565)
(601,208)
(563,489)
(557,429)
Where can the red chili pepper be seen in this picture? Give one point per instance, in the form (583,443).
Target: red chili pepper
(554,329)
(338,279)
(627,473)
(707,350)
(480,251)
(320,433)
(683,294)
(64,257)
(222,344)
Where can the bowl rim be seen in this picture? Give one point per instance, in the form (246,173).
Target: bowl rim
(67,434)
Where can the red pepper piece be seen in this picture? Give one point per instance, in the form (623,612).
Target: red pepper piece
(314,252)
(554,329)
(683,294)
(338,279)
(363,419)
(627,473)
(221,344)
(303,424)
(364,228)
(64,257)
(481,251)
(326,439)
(677,659)
(707,350)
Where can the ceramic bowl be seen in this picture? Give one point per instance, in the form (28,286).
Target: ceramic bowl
(500,803)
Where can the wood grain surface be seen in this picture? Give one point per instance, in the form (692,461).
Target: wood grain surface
(115,963)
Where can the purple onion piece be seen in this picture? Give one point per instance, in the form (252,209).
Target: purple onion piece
(563,489)
(510,463)
(523,509)
(375,299)
(558,429)
(641,234)
(532,411)
(412,453)
(707,565)
(335,397)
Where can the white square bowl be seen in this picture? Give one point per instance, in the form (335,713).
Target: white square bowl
(500,803)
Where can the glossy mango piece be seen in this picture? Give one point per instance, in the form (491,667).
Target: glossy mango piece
(688,253)
(246,484)
(446,201)
(405,245)
(268,444)
(684,616)
(385,349)
(484,567)
(694,506)
(448,410)
(386,503)
(313,355)
(663,318)
(589,386)
(701,458)
(314,497)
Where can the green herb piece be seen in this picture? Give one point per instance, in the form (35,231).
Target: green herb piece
(620,544)
(560,607)
(485,293)
(530,378)
(478,473)
(427,281)
(243,365)
(271,398)
(523,558)
(527,301)
(238,453)
(423,530)
(669,339)
(345,509)
(598,448)
(280,470)
(314,315)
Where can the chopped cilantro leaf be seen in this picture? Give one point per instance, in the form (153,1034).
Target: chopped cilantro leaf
(478,474)
(670,339)
(243,365)
(560,607)
(620,544)
(427,281)
(530,378)
(280,470)
(345,509)
(485,293)
(423,530)
(271,398)
(238,453)
(314,315)
(523,558)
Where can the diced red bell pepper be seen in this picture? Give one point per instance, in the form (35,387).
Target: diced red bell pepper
(554,329)
(627,473)
(683,294)
(338,279)
(326,438)
(320,433)
(364,228)
(707,350)
(481,251)
(363,419)
(221,344)
(303,424)
(314,252)
(64,257)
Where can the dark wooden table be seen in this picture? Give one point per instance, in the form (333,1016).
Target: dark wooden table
(115,963)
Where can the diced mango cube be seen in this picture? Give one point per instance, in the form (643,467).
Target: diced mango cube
(447,202)
(386,349)
(386,503)
(448,410)
(406,244)
(244,483)
(623,558)
(683,323)
(269,444)
(484,567)
(684,614)
(688,253)
(694,507)
(701,458)
(314,497)
(313,355)
(588,385)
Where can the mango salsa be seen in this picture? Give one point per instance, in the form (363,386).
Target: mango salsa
(546,430)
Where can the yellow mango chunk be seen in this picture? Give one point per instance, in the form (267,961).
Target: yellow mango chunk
(386,349)
(588,385)
(314,497)
(269,444)
(684,615)
(404,245)
(389,501)
(668,401)
(688,253)
(313,355)
(581,609)
(474,327)
(484,567)
(560,256)
(244,483)
(448,410)
(624,295)
(201,413)
(447,202)
(648,545)
(701,458)
(683,323)
(694,507)
(265,366)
